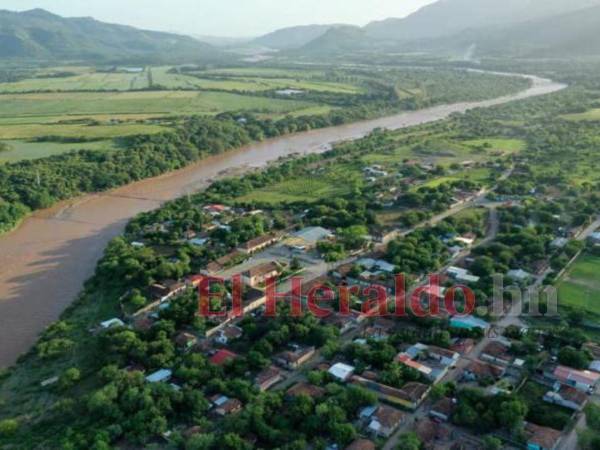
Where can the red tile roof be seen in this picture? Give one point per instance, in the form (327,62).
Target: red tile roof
(221,357)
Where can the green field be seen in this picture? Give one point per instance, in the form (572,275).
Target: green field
(151,102)
(593,115)
(336,181)
(580,287)
(20,150)
(30,132)
(91,81)
(254,81)
(502,145)
(480,175)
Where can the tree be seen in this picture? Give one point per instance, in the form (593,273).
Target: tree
(69,378)
(200,442)
(492,443)
(573,358)
(409,441)
(8,427)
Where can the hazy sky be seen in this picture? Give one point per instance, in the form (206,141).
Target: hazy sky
(224,17)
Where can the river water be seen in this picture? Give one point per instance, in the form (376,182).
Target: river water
(45,261)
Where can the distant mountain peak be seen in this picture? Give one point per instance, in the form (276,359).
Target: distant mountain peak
(40,12)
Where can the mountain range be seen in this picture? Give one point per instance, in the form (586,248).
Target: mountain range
(457,28)
(40,35)
(533,28)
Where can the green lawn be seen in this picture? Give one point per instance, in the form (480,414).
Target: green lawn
(580,287)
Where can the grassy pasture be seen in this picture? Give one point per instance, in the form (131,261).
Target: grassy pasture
(480,175)
(253,82)
(580,287)
(503,145)
(20,150)
(593,115)
(90,81)
(153,102)
(11,132)
(338,180)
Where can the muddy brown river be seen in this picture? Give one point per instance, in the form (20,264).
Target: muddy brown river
(44,262)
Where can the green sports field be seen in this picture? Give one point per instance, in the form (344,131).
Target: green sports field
(580,287)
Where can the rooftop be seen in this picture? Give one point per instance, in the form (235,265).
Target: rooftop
(222,357)
(544,437)
(341,371)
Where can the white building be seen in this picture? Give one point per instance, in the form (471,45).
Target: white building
(341,371)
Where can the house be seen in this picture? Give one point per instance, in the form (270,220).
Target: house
(595,238)
(463,346)
(444,356)
(567,397)
(228,334)
(112,323)
(582,380)
(443,409)
(260,274)
(595,365)
(185,341)
(268,378)
(479,371)
(433,362)
(410,396)
(215,209)
(431,433)
(469,323)
(259,243)
(222,357)
(467,239)
(303,388)
(361,444)
(341,371)
(160,376)
(166,290)
(295,358)
(385,421)
(198,242)
(342,322)
(559,242)
(221,263)
(376,265)
(307,238)
(224,406)
(143,322)
(408,362)
(519,275)
(375,171)
(541,438)
(497,353)
(462,275)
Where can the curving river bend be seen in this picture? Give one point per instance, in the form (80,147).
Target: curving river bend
(44,262)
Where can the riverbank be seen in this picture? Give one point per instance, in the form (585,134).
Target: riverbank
(44,262)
